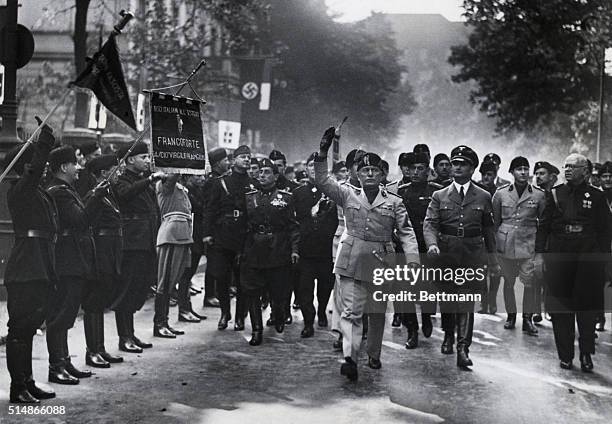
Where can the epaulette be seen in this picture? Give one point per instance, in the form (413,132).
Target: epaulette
(285,192)
(433,184)
(404,185)
(504,186)
(248,193)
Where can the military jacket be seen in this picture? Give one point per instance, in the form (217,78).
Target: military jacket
(318,219)
(175,209)
(369,226)
(416,197)
(272,230)
(516,220)
(108,234)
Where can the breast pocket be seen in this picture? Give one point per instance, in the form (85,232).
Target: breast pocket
(447,210)
(477,211)
(352,213)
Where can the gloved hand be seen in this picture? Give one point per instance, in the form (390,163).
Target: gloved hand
(45,136)
(101,189)
(295,258)
(157,176)
(327,139)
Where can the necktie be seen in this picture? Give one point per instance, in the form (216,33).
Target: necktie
(461,193)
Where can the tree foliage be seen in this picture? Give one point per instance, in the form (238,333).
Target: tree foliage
(535,61)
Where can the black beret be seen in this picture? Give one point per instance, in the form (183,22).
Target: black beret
(267,163)
(464,153)
(141,148)
(88,147)
(518,161)
(492,157)
(216,155)
(338,166)
(277,155)
(312,157)
(61,155)
(100,163)
(546,165)
(254,161)
(26,157)
(353,157)
(242,150)
(421,158)
(405,159)
(384,165)
(289,169)
(300,175)
(370,159)
(421,148)
(606,168)
(439,158)
(487,166)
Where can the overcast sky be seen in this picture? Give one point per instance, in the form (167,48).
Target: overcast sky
(353,10)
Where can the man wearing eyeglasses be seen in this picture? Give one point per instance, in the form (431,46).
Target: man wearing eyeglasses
(576,239)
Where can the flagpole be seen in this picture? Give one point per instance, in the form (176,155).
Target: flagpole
(31,138)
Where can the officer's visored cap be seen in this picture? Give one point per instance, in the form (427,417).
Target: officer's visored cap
(487,167)
(492,157)
(277,155)
(26,157)
(216,155)
(61,155)
(353,157)
(103,162)
(88,147)
(518,162)
(267,163)
(242,150)
(546,165)
(141,148)
(465,154)
(370,159)
(439,158)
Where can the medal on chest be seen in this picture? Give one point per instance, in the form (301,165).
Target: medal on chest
(586,203)
(278,201)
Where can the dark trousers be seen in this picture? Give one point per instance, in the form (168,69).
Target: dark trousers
(273,280)
(27,304)
(64,303)
(564,327)
(99,294)
(222,266)
(311,269)
(138,273)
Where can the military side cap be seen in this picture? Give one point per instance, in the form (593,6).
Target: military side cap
(216,155)
(546,165)
(100,163)
(89,147)
(439,158)
(267,163)
(405,159)
(26,157)
(421,148)
(517,162)
(487,166)
(466,154)
(61,155)
(140,148)
(338,166)
(492,157)
(353,157)
(300,175)
(277,155)
(242,150)
(370,159)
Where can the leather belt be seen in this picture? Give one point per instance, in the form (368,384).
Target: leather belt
(70,232)
(573,228)
(47,235)
(235,214)
(460,232)
(110,232)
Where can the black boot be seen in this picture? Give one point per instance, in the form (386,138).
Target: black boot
(322,317)
(397,320)
(279,317)
(92,357)
(510,321)
(143,345)
(15,353)
(413,338)
(57,370)
(447,344)
(70,368)
(160,320)
(256,320)
(240,312)
(126,343)
(463,359)
(99,331)
(492,294)
(364,333)
(586,363)
(34,390)
(528,325)
(349,369)
(337,345)
(308,331)
(465,323)
(426,325)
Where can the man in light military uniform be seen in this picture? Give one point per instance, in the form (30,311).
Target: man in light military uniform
(459,232)
(517,209)
(371,215)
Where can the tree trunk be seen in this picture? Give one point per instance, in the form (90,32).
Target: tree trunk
(81,110)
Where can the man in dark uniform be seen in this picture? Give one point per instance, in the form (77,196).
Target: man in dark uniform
(394,186)
(442,167)
(318,219)
(576,238)
(30,272)
(102,292)
(595,179)
(424,149)
(340,171)
(459,231)
(75,261)
(416,196)
(271,247)
(254,168)
(86,180)
(140,220)
(488,304)
(224,229)
(605,174)
(494,157)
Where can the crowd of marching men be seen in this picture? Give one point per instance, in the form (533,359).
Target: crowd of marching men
(88,237)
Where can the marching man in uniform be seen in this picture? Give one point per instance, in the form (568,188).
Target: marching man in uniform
(371,215)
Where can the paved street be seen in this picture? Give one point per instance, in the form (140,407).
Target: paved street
(208,376)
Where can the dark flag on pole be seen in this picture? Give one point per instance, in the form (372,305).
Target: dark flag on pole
(104,76)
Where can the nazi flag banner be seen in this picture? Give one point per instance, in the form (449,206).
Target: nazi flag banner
(178,143)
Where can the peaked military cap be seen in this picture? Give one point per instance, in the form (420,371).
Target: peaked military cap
(464,153)
(216,155)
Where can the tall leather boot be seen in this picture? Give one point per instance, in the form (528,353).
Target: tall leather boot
(465,323)
(528,325)
(129,316)
(92,357)
(510,321)
(184,300)
(57,367)
(34,390)
(492,294)
(15,352)
(224,303)
(278,309)
(256,320)
(160,320)
(99,332)
(70,368)
(126,344)
(241,309)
